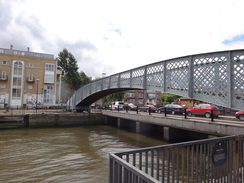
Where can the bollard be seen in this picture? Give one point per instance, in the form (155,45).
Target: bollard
(137,109)
(185,114)
(149,111)
(212,115)
(118,108)
(165,111)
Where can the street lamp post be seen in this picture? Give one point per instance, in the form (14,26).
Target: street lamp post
(37,80)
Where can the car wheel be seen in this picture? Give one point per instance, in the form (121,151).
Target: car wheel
(189,114)
(207,115)
(241,117)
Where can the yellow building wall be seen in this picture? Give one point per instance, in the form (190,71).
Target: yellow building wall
(38,71)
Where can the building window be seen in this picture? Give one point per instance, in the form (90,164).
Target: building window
(30,77)
(3,76)
(132,101)
(49,67)
(3,85)
(48,94)
(31,65)
(2,99)
(49,73)
(130,95)
(17,80)
(140,102)
(140,95)
(151,95)
(4,62)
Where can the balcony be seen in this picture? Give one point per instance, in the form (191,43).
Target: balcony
(30,80)
(3,78)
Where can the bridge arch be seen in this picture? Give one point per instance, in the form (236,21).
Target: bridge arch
(216,77)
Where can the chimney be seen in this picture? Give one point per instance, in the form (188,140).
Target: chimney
(11,47)
(28,49)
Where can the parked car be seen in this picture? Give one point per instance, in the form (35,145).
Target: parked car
(203,110)
(130,107)
(146,108)
(118,105)
(240,115)
(172,109)
(57,106)
(39,106)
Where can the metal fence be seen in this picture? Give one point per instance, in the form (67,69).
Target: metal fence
(216,160)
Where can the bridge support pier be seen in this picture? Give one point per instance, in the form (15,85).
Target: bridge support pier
(148,128)
(126,124)
(172,134)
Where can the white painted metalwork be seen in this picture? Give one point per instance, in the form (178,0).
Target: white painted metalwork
(216,77)
(211,160)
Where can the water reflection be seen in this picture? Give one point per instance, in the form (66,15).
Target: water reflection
(64,154)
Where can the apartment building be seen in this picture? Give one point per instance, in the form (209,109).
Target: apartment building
(28,77)
(143,97)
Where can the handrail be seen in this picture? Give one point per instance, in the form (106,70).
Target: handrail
(216,159)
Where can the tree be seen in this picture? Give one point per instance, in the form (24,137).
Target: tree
(70,68)
(84,79)
(169,98)
(113,97)
(72,78)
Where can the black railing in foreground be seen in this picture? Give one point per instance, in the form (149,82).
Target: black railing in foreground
(216,160)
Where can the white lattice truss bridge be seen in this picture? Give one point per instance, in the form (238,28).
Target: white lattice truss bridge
(216,77)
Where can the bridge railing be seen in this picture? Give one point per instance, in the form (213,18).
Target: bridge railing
(213,160)
(215,77)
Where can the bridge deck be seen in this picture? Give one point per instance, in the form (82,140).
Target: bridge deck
(222,126)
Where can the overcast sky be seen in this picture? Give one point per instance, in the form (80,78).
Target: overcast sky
(111,36)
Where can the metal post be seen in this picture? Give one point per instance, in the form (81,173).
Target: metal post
(212,115)
(37,80)
(185,114)
(165,110)
(149,110)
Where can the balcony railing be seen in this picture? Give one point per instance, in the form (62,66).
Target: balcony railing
(26,53)
(3,78)
(30,80)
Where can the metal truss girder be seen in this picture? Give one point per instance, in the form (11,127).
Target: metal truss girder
(216,77)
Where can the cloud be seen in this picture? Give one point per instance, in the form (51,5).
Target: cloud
(113,36)
(5,15)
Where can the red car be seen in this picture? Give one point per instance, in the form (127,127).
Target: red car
(203,110)
(240,115)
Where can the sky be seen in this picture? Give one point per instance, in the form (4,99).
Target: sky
(112,36)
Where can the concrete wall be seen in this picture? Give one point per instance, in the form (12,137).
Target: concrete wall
(51,120)
(59,120)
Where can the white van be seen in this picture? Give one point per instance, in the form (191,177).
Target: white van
(118,104)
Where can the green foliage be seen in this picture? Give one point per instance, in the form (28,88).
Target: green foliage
(70,69)
(169,98)
(84,79)
(119,96)
(72,78)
